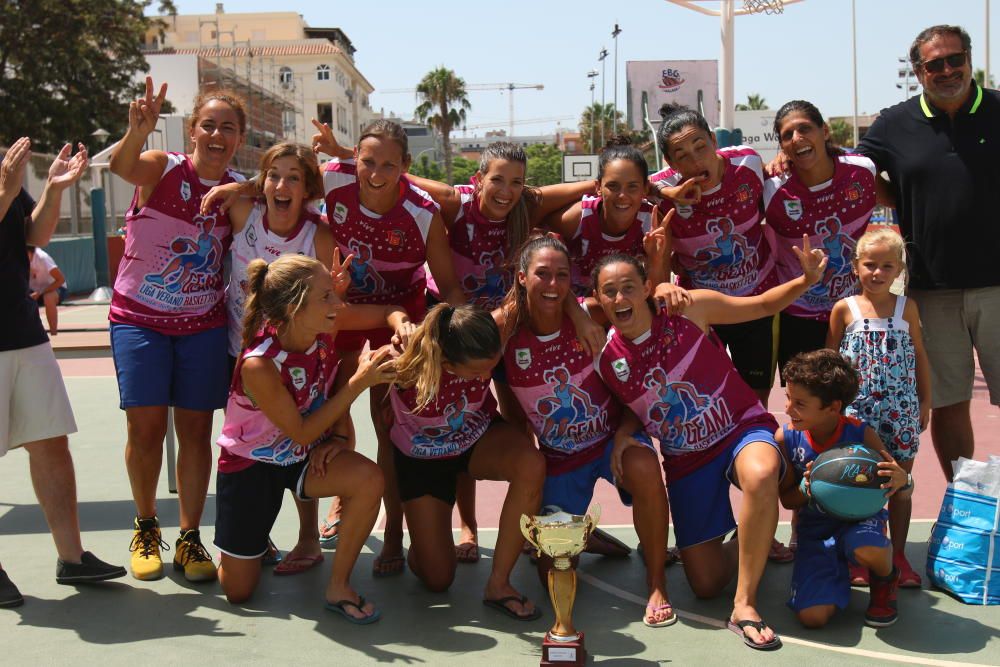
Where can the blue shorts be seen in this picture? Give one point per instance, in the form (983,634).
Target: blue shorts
(190,372)
(699,501)
(821,575)
(572,491)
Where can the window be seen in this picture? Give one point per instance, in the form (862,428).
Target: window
(342,119)
(288,121)
(322,72)
(324,113)
(285,76)
(341,79)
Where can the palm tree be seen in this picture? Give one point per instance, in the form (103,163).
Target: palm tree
(443,104)
(755,102)
(980,76)
(597,125)
(841,132)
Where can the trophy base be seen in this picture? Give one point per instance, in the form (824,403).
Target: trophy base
(563,654)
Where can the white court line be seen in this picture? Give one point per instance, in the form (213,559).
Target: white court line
(716,623)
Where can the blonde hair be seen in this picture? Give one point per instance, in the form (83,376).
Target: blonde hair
(276,292)
(457,335)
(880,235)
(307,161)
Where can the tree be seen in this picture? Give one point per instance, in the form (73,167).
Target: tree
(544,164)
(755,102)
(841,132)
(68,69)
(463,169)
(424,168)
(440,91)
(979,75)
(591,121)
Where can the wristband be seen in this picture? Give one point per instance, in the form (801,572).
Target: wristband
(909,483)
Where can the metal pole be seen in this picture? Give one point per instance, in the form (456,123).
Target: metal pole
(603,56)
(854,64)
(510,101)
(986,66)
(99,230)
(726,66)
(614,118)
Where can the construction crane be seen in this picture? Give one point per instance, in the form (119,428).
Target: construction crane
(519,121)
(509,87)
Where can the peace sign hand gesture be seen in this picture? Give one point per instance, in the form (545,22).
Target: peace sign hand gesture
(324,141)
(341,273)
(654,242)
(144,112)
(813,261)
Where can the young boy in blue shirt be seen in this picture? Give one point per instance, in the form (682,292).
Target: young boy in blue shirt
(819,385)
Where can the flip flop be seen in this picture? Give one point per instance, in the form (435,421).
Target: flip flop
(272,556)
(376,572)
(340,607)
(329,541)
(673,555)
(739,628)
(779,553)
(651,611)
(297,565)
(500,604)
(463,555)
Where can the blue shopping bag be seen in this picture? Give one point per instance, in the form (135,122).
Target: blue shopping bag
(963,554)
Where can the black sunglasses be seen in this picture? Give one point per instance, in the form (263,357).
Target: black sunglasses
(955,60)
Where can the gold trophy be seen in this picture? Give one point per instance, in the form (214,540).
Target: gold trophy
(561,536)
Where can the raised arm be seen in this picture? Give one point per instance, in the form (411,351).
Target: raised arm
(710,307)
(12,169)
(325,142)
(63,172)
(565,222)
(446,196)
(552,198)
(128,161)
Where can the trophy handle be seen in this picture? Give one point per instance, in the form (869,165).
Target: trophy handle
(527,529)
(593,518)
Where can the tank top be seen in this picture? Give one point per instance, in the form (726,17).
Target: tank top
(591,243)
(170,276)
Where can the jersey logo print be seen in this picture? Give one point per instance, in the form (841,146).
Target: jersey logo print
(490,286)
(438,441)
(793,208)
(195,266)
(729,260)
(679,403)
(838,280)
(565,410)
(364,278)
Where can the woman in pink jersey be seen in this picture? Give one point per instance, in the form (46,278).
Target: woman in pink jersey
(712,429)
(278,220)
(168,318)
(827,194)
(445,423)
(716,236)
(617,219)
(575,418)
(278,432)
(390,229)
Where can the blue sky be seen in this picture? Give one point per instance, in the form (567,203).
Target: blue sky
(804,53)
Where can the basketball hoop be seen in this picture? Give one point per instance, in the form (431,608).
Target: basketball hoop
(763,6)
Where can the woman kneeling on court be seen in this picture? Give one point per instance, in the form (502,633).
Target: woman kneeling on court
(278,420)
(445,422)
(712,428)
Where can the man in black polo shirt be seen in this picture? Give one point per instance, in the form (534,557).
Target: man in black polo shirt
(941,150)
(34,410)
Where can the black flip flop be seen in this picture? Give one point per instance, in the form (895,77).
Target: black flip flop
(500,604)
(739,628)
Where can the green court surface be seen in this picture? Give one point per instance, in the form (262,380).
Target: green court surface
(170,621)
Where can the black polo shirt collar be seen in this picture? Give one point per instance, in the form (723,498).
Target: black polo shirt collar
(970,106)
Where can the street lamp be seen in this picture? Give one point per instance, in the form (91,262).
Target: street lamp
(100,135)
(591,75)
(601,58)
(906,74)
(614,33)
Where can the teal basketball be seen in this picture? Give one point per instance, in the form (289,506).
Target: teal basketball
(844,482)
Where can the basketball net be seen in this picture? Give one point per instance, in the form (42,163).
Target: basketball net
(763,6)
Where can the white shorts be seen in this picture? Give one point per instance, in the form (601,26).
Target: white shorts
(33,401)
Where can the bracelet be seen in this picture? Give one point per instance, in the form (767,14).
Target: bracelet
(909,483)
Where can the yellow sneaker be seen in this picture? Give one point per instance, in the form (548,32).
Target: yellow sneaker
(145,548)
(192,557)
